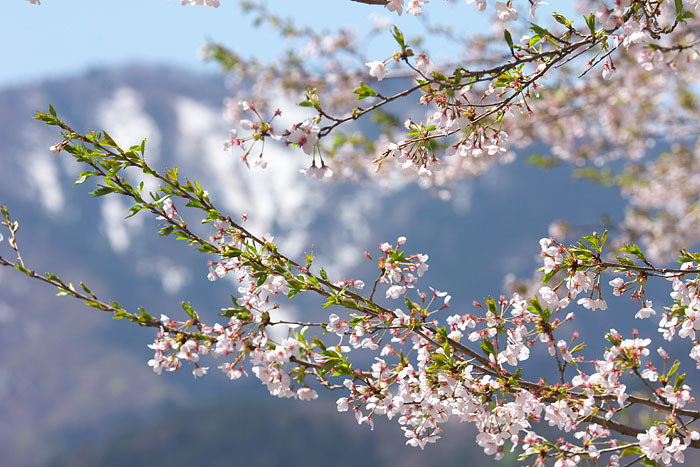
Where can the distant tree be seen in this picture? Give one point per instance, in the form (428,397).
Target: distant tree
(596,87)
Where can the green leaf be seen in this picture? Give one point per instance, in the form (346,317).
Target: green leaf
(108,141)
(603,176)
(679,381)
(685,256)
(134,210)
(547,277)
(509,39)
(458,75)
(561,19)
(103,190)
(190,311)
(542,161)
(364,91)
(492,307)
(165,231)
(625,260)
(145,316)
(398,37)
(673,369)
(46,118)
(446,348)
(52,277)
(631,451)
(487,347)
(440,360)
(534,40)
(590,21)
(539,30)
(634,250)
(312,280)
(121,314)
(82,177)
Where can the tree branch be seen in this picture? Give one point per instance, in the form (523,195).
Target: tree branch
(372,2)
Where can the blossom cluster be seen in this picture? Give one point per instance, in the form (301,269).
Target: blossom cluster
(439,382)
(399,271)
(617,80)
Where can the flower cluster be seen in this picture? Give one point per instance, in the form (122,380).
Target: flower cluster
(429,366)
(259,129)
(401,272)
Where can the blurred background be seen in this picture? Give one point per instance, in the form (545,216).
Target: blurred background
(74,385)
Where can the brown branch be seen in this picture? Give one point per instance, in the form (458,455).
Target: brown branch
(372,2)
(626,429)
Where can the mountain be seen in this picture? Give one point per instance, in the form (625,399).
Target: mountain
(270,433)
(75,384)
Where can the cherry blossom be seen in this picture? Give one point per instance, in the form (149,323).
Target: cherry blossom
(598,90)
(505,12)
(395,5)
(377,69)
(646,310)
(213,3)
(415,7)
(480,4)
(304,135)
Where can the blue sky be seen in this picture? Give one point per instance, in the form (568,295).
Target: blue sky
(60,37)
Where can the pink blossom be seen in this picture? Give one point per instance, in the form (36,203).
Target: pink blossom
(306,394)
(591,304)
(395,291)
(480,4)
(213,3)
(336,325)
(395,5)
(646,311)
(377,69)
(548,297)
(305,135)
(505,13)
(618,286)
(230,371)
(607,71)
(342,404)
(415,7)
(169,209)
(653,444)
(650,374)
(695,354)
